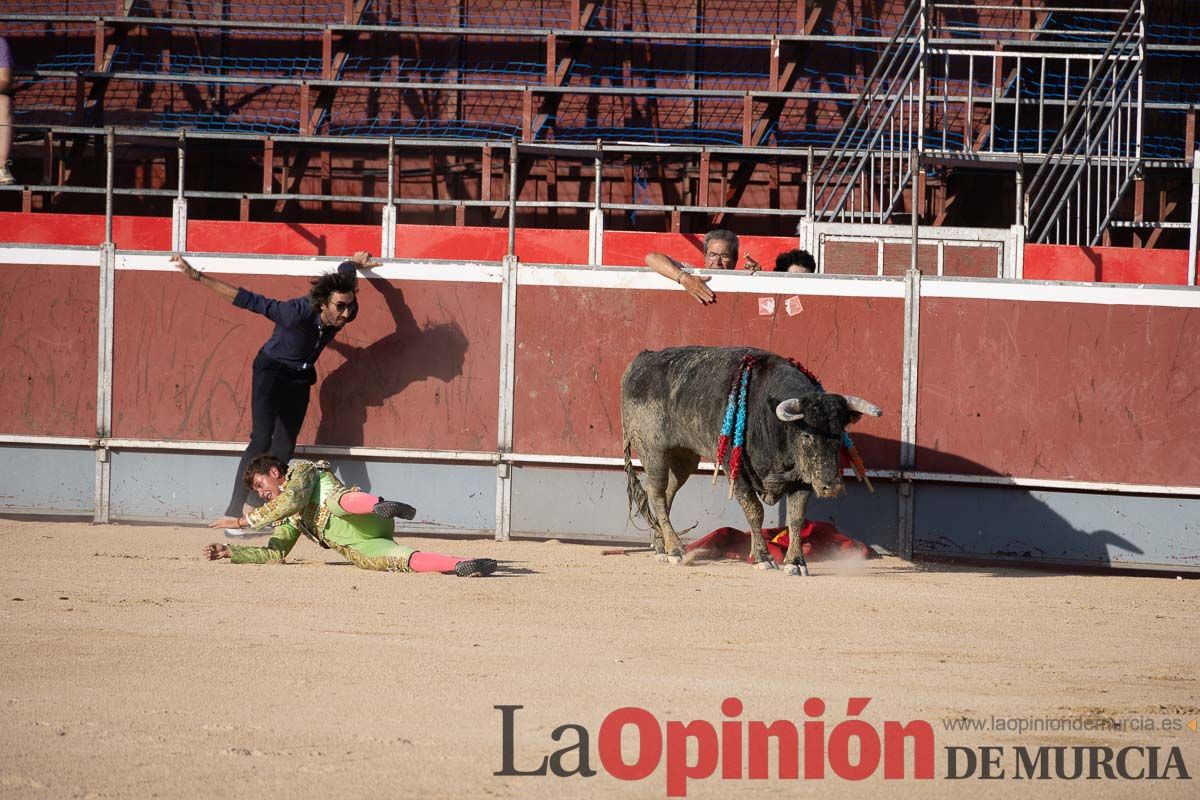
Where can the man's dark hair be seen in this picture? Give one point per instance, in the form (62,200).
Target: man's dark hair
(329,283)
(261,465)
(798,258)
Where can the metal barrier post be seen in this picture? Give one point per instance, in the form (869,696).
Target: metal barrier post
(512,198)
(108,264)
(179,213)
(504,438)
(596,215)
(387,243)
(908,411)
(1195,224)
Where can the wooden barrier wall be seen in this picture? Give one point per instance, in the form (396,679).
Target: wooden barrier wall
(574,342)
(1065,383)
(48,345)
(1094,385)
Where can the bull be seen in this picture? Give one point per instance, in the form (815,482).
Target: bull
(672,406)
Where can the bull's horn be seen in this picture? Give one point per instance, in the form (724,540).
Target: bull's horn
(862,406)
(789,410)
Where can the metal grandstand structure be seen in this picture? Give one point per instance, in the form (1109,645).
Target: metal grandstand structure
(1066,99)
(1075,121)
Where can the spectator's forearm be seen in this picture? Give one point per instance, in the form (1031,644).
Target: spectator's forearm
(665,266)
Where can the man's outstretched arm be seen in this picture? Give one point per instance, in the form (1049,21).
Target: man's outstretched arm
(222,288)
(695,285)
(281,543)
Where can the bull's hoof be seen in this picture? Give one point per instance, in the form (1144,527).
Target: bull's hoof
(796,570)
(766,563)
(675,558)
(661,557)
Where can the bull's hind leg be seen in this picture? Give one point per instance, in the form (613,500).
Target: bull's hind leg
(753,509)
(680,467)
(793,560)
(660,490)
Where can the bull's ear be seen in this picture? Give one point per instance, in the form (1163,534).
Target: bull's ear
(859,407)
(789,410)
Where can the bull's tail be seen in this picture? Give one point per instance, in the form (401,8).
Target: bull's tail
(639,503)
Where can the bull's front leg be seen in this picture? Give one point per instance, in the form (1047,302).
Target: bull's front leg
(753,510)
(793,561)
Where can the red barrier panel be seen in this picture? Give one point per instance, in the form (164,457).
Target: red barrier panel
(573,345)
(1072,391)
(1052,262)
(550,246)
(48,345)
(629,248)
(282,238)
(129,233)
(418,369)
(538,246)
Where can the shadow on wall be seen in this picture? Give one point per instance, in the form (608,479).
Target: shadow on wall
(372,374)
(1014,523)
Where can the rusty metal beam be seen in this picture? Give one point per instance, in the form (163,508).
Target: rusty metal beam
(558,68)
(332,64)
(755,130)
(268,176)
(1139,211)
(1165,208)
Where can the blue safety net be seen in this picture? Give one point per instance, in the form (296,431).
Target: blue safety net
(58,7)
(419,113)
(644,134)
(319,12)
(44,101)
(474,14)
(280,121)
(423,129)
(152,61)
(428,70)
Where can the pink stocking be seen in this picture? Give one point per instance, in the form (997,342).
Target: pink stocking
(432,562)
(358,502)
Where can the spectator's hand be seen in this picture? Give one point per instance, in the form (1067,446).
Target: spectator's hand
(364,261)
(697,287)
(225,522)
(751,264)
(214,551)
(183,266)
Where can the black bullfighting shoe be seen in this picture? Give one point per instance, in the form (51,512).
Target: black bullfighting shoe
(475,567)
(393,508)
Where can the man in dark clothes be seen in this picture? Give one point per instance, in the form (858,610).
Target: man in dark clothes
(283,368)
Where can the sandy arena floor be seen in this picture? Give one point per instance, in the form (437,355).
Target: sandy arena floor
(131,668)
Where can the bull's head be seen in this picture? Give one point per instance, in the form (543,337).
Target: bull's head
(819,420)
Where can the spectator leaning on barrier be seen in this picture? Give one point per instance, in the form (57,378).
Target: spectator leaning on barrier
(720,252)
(283,369)
(6,125)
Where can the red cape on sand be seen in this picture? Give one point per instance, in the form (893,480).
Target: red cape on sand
(820,540)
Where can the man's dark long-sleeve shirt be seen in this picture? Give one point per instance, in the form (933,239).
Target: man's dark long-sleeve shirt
(299,337)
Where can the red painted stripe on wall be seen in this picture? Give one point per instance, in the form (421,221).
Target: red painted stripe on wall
(1051,262)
